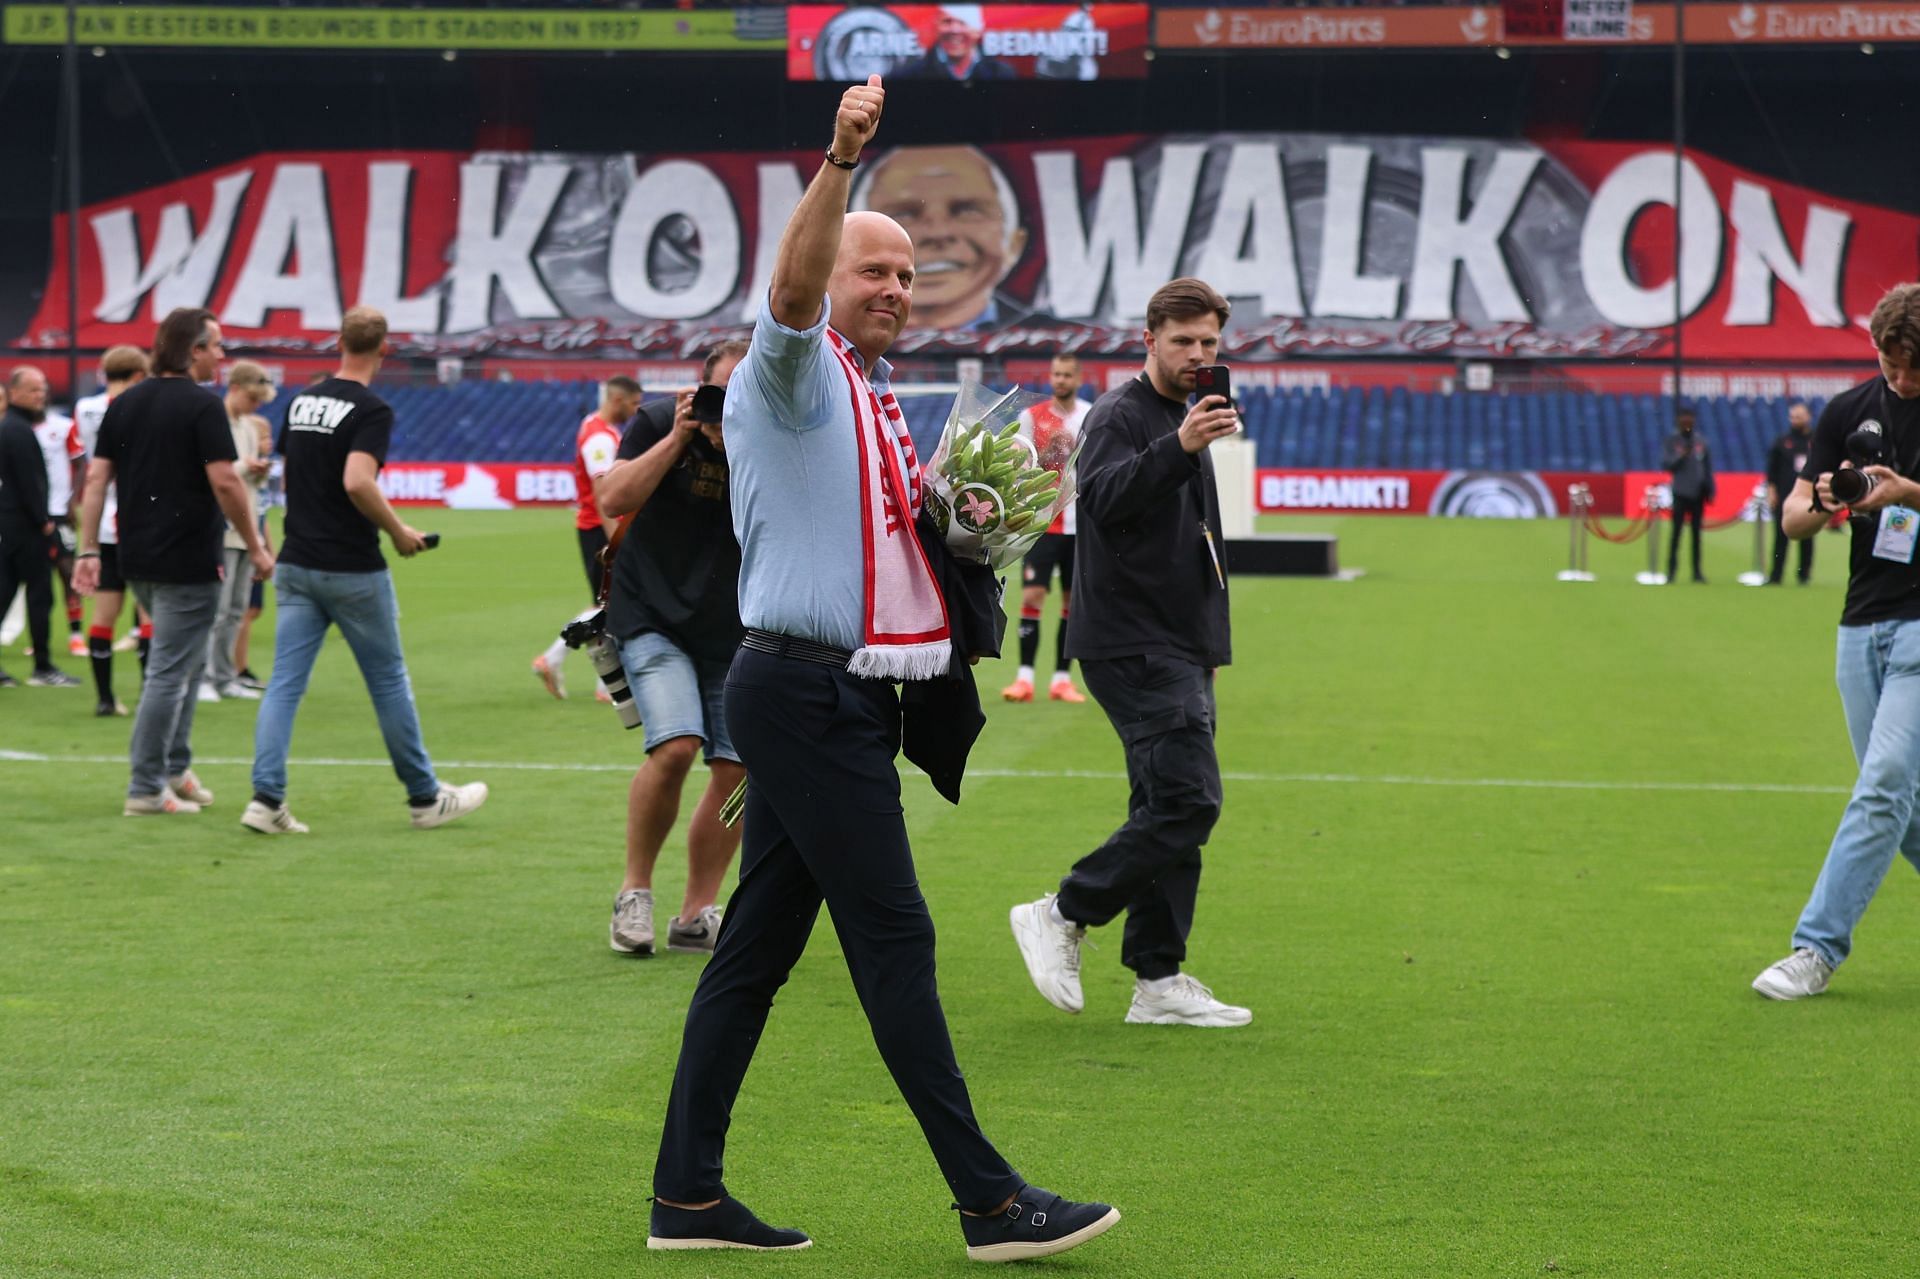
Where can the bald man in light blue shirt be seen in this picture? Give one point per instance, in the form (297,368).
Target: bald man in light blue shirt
(823,820)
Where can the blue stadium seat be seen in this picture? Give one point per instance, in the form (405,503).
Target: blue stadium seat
(1306,428)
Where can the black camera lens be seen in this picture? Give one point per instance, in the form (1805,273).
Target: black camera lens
(1850,486)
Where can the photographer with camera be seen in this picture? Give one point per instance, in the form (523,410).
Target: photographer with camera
(673,608)
(1866,456)
(334,437)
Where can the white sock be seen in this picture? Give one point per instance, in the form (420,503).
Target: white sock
(1158,986)
(556,652)
(1061,677)
(1026,673)
(1053,910)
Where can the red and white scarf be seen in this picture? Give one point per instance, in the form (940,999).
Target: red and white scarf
(906,635)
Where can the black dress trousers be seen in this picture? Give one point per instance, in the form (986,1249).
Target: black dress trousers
(1164,710)
(823,823)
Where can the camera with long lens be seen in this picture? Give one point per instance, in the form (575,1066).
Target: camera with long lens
(589,631)
(1865,447)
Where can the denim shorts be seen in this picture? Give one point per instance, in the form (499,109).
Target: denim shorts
(678,695)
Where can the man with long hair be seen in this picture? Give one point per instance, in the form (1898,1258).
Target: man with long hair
(167,445)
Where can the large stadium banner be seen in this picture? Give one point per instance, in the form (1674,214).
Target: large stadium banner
(1410,247)
(848,43)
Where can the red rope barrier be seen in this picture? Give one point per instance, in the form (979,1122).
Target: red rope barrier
(1634,531)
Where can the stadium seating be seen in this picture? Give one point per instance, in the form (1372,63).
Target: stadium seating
(1359,428)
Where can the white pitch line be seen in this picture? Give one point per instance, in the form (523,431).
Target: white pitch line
(1052,774)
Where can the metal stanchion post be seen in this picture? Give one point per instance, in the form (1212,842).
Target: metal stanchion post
(1761,514)
(1657,500)
(1579,504)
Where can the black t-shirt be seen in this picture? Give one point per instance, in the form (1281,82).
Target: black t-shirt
(323,424)
(678,570)
(160,436)
(1877,590)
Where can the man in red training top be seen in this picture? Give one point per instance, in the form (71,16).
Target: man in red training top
(1055,428)
(595,449)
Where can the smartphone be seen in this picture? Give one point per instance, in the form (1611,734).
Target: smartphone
(1213,379)
(707,404)
(431,539)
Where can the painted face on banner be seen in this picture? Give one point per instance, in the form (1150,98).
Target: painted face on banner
(965,237)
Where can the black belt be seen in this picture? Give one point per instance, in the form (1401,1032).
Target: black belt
(793,646)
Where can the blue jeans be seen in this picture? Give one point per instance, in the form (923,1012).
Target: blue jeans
(161,746)
(367,612)
(1878,670)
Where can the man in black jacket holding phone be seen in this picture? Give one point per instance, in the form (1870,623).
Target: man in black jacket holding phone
(1151,627)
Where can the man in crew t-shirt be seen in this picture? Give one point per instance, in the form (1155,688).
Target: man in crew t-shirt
(166,446)
(334,438)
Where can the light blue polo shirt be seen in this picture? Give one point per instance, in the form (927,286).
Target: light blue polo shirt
(793,462)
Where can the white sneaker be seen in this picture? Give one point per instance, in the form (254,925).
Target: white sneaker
(234,690)
(153,805)
(1804,972)
(207,693)
(1052,952)
(1185,1003)
(188,787)
(271,821)
(454,802)
(631,932)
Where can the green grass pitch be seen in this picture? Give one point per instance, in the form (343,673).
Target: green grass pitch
(1498,860)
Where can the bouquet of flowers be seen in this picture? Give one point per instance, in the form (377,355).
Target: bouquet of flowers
(991,488)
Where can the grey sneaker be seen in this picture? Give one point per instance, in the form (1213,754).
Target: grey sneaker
(1052,952)
(52,679)
(271,821)
(453,803)
(1804,972)
(631,932)
(188,787)
(697,937)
